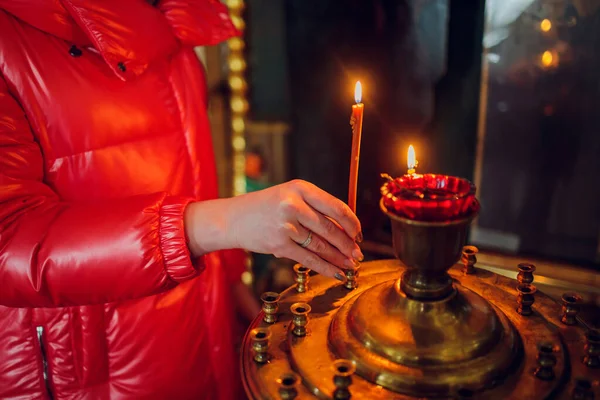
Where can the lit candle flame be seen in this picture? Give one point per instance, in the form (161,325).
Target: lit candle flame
(357,92)
(547,58)
(545,25)
(412,159)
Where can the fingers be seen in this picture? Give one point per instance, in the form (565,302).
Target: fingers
(314,262)
(332,240)
(328,205)
(333,228)
(324,249)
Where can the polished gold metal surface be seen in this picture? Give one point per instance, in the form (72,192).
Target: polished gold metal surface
(469,258)
(270,306)
(352,278)
(416,348)
(570,308)
(420,327)
(342,378)
(288,385)
(552,277)
(413,335)
(260,344)
(302,277)
(546,362)
(312,356)
(592,349)
(428,249)
(525,274)
(300,312)
(525,299)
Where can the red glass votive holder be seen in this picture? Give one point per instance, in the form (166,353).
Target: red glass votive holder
(430,197)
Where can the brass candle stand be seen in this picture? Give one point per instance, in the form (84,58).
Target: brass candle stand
(427,325)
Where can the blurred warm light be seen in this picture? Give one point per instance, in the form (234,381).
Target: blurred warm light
(238,104)
(411,158)
(236,63)
(236,44)
(545,25)
(254,165)
(547,58)
(238,125)
(357,92)
(247,278)
(239,143)
(237,83)
(235,4)
(238,22)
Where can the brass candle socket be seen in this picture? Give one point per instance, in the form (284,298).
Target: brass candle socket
(570,308)
(469,258)
(351,278)
(525,298)
(546,362)
(300,318)
(582,390)
(428,249)
(342,378)
(270,306)
(302,278)
(592,349)
(261,338)
(525,275)
(288,385)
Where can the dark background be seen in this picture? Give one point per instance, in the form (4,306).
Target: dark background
(420,63)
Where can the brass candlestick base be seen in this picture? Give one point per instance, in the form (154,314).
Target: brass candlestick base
(428,249)
(418,327)
(424,348)
(382,374)
(432,329)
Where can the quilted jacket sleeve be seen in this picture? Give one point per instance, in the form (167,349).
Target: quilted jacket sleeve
(57,253)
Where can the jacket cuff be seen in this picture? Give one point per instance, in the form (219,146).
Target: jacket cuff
(177,257)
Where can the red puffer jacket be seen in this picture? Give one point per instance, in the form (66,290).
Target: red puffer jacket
(104,139)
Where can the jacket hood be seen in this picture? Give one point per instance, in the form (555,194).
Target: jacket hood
(129,34)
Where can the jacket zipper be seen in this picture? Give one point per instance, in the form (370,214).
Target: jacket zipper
(40,337)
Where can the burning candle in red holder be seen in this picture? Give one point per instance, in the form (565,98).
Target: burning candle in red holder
(430,215)
(428,197)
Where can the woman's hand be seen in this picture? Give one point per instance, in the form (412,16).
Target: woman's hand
(277,221)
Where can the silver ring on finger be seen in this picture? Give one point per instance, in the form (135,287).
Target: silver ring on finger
(308,240)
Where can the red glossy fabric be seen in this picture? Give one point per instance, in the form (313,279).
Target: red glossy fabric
(99,155)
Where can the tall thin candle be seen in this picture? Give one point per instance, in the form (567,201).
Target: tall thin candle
(356,122)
